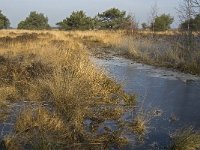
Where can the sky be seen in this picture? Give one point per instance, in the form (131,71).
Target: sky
(57,10)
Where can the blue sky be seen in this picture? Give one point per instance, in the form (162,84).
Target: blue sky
(56,10)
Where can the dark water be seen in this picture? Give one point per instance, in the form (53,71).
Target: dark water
(177,95)
(7,126)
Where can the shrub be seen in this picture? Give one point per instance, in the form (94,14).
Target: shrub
(4,22)
(35,21)
(77,20)
(113,19)
(162,23)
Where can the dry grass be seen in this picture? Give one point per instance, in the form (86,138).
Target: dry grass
(38,129)
(4,111)
(6,94)
(165,49)
(186,139)
(54,67)
(108,38)
(140,125)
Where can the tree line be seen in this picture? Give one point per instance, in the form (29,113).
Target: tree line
(110,19)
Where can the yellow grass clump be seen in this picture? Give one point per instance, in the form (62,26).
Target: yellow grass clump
(185,139)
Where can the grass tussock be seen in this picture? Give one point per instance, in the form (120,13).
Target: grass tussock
(186,139)
(140,125)
(38,129)
(4,111)
(54,67)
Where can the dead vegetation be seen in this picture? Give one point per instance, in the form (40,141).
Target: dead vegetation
(164,49)
(185,139)
(55,68)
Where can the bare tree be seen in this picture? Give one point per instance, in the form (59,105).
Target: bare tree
(134,23)
(186,12)
(196,3)
(196,6)
(154,14)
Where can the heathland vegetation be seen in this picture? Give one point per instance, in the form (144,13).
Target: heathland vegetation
(178,49)
(63,98)
(55,96)
(52,92)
